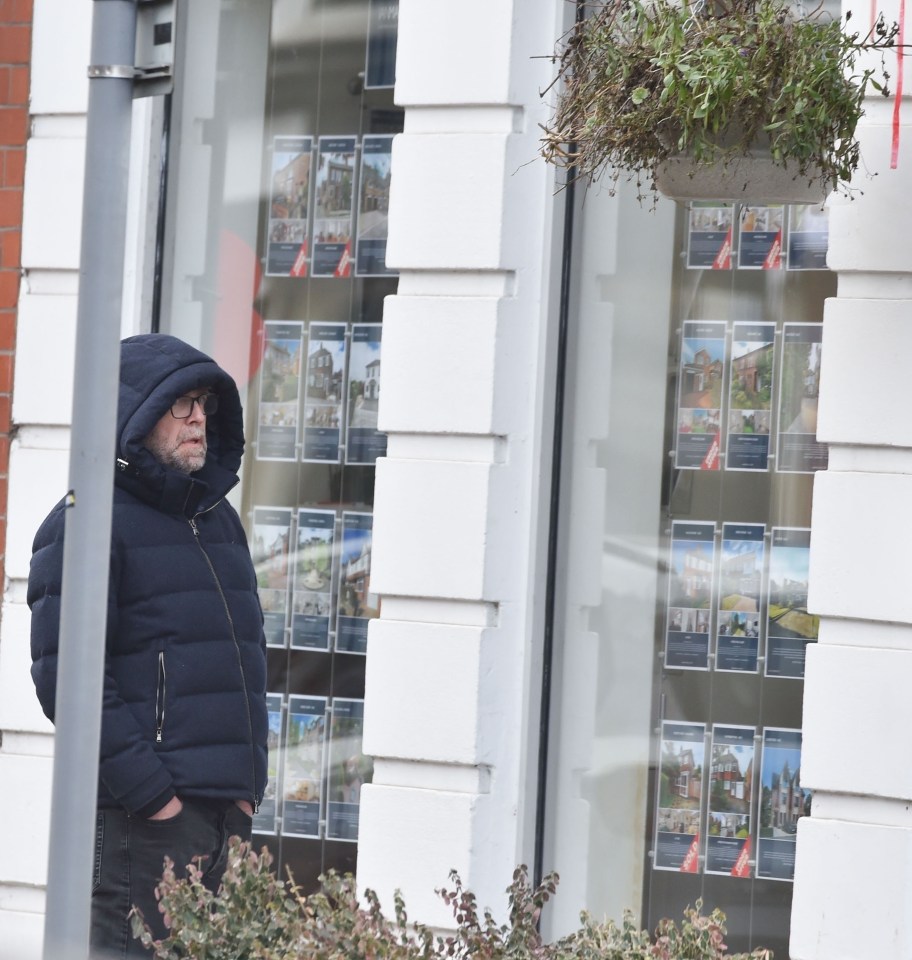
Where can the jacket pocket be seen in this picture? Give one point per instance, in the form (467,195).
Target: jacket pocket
(160,698)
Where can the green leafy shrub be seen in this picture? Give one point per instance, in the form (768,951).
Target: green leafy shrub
(644,80)
(257,916)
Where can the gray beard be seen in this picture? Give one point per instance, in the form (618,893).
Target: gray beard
(174,458)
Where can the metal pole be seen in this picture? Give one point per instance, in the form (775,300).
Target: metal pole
(88,522)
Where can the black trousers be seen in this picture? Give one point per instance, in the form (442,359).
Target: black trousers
(129,856)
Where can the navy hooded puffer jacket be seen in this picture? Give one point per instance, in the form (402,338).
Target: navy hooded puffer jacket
(184,707)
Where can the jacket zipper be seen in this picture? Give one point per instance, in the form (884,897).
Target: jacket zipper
(160,698)
(237,650)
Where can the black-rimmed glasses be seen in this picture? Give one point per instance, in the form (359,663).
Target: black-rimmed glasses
(183,406)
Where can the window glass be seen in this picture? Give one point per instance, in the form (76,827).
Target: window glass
(280,138)
(689,454)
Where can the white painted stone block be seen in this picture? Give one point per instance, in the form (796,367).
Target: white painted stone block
(26,802)
(52,205)
(426,693)
(856,703)
(21,935)
(860,13)
(411,839)
(865,340)
(453,53)
(43,390)
(37,481)
(17,898)
(537,24)
(860,564)
(19,708)
(868,234)
(430,528)
(450,529)
(439,365)
(851,899)
(447,202)
(61,47)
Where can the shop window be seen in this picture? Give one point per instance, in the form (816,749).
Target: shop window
(274,261)
(690,450)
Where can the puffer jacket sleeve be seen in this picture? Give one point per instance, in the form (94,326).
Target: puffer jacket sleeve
(129,766)
(44,594)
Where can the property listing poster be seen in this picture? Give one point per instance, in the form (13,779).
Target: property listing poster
(740,585)
(302,781)
(789,626)
(730,820)
(760,237)
(349,769)
(373,206)
(266,816)
(750,396)
(334,198)
(799,388)
(363,441)
(280,391)
(357,605)
(709,235)
(313,580)
(677,844)
(808,236)
(323,393)
(271,550)
(700,387)
(289,205)
(693,553)
(782,803)
(382,33)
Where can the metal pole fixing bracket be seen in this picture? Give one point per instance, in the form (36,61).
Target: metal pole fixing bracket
(120,72)
(154,73)
(110,71)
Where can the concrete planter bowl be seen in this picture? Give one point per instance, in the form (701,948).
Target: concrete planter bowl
(748,178)
(641,77)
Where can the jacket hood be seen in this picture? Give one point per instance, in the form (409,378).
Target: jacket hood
(155,369)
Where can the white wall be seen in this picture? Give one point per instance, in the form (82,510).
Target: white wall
(460,519)
(461,499)
(460,511)
(855,850)
(38,457)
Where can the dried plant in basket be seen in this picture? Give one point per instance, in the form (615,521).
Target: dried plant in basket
(642,82)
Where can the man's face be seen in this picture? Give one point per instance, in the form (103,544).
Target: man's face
(181,444)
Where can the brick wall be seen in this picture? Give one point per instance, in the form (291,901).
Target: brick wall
(15,52)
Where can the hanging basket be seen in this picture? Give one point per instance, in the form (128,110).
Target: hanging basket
(753,178)
(637,73)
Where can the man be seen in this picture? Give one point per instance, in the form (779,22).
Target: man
(184,724)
